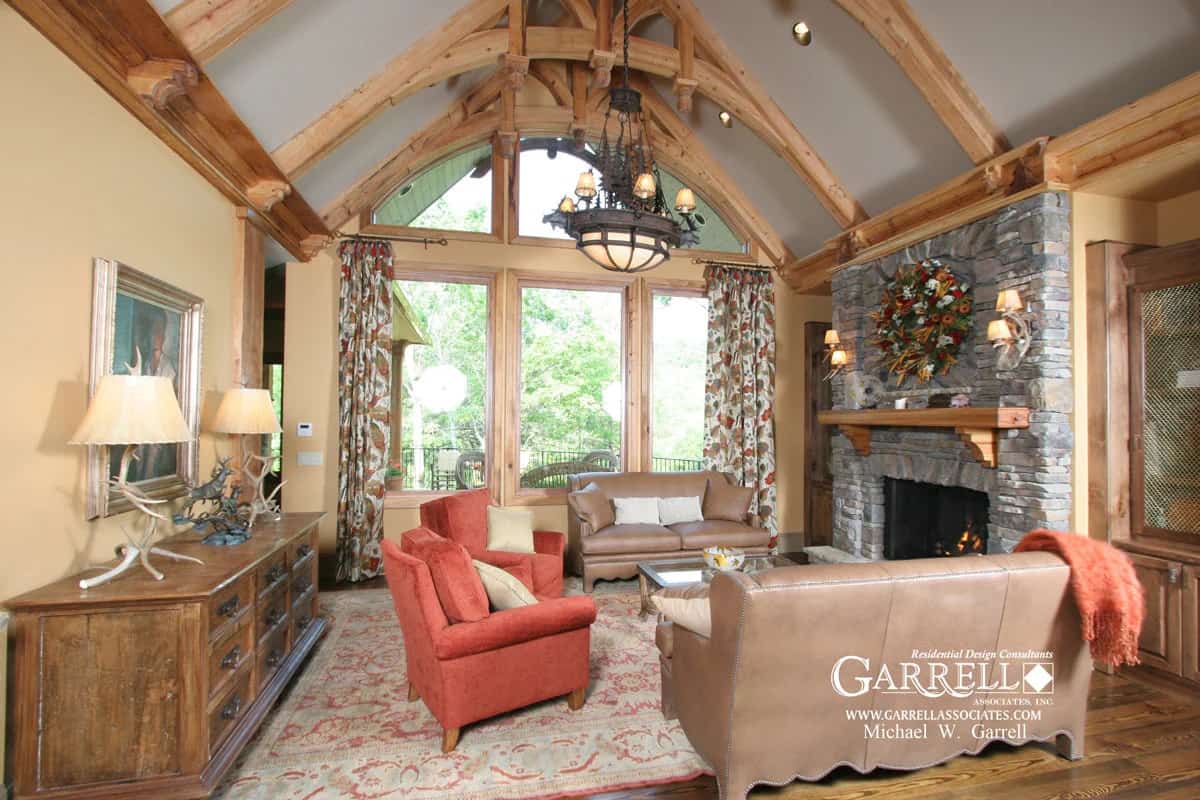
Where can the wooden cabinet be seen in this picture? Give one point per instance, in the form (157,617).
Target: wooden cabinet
(1170,638)
(142,688)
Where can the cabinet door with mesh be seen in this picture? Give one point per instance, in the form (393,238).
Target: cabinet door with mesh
(1165,423)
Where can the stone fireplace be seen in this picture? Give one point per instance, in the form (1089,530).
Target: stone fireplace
(1025,246)
(923,520)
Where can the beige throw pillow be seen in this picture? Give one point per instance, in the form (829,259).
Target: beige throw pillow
(510,529)
(686,606)
(672,510)
(503,589)
(636,510)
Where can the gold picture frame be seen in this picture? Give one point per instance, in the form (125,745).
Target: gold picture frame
(144,323)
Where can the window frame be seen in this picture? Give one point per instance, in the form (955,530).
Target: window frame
(397,496)
(627,288)
(653,288)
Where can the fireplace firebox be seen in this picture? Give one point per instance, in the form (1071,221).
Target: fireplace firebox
(924,520)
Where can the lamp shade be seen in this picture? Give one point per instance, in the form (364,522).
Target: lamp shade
(998,330)
(1008,300)
(644,187)
(133,409)
(685,200)
(586,186)
(831,337)
(838,358)
(246,411)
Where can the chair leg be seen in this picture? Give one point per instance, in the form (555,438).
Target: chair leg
(576,698)
(450,739)
(412,692)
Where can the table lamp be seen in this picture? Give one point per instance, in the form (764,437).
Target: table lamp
(248,412)
(132,410)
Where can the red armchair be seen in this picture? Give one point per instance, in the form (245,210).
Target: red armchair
(469,671)
(463,518)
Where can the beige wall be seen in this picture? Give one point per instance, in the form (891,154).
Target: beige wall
(1178,219)
(80,178)
(310,367)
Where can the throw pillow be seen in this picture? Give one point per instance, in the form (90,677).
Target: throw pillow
(723,501)
(686,606)
(510,529)
(636,510)
(593,506)
(504,591)
(458,587)
(679,509)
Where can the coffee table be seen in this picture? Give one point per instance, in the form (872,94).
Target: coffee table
(655,575)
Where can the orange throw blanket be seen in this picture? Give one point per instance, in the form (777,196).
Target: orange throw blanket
(1109,596)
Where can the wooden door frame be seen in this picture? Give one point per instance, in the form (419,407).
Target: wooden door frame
(814,381)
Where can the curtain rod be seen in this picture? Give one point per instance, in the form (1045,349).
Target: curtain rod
(423,240)
(708,262)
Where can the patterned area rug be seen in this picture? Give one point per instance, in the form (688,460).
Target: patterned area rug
(346,730)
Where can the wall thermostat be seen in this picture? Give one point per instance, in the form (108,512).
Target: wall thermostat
(304,429)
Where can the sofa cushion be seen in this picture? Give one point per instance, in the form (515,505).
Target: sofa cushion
(673,510)
(593,505)
(722,532)
(459,589)
(631,539)
(725,501)
(636,510)
(648,484)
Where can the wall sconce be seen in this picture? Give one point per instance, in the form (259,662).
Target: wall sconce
(834,353)
(1011,332)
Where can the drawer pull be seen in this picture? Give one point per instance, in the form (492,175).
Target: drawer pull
(229,607)
(274,657)
(275,573)
(232,708)
(273,617)
(231,658)
(302,551)
(303,622)
(303,586)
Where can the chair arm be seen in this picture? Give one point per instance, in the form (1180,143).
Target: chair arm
(502,558)
(514,626)
(550,543)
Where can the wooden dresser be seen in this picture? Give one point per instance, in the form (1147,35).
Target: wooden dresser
(143,688)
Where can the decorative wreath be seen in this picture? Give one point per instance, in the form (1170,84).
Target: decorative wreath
(922,320)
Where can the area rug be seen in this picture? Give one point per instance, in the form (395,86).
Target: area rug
(346,730)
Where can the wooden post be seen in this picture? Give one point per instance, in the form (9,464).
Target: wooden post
(249,270)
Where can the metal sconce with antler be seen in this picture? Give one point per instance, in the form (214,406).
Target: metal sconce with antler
(1012,332)
(835,355)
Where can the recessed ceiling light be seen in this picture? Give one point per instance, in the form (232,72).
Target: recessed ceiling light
(726,119)
(802,33)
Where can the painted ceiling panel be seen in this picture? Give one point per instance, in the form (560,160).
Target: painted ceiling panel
(845,94)
(1042,68)
(313,53)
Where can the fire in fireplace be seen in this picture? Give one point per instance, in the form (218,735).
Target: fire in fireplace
(924,520)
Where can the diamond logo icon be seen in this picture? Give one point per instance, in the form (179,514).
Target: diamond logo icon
(1039,678)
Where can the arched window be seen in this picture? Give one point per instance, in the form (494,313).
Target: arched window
(455,194)
(548,170)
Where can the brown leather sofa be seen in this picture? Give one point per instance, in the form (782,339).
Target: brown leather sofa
(614,550)
(757,699)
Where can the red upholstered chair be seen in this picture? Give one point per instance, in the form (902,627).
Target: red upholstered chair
(463,518)
(468,671)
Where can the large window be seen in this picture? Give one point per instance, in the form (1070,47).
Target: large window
(443,383)
(678,351)
(453,195)
(572,394)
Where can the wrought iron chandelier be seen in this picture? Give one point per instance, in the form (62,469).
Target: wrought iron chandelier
(624,225)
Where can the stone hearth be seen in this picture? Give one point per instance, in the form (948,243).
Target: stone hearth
(1024,246)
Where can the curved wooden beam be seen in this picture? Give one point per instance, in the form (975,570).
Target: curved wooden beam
(553,75)
(896,27)
(581,12)
(208,27)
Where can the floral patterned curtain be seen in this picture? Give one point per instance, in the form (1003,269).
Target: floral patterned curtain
(364,405)
(739,394)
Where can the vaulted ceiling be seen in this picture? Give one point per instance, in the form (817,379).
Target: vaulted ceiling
(1028,68)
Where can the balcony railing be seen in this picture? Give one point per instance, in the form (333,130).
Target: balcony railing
(448,469)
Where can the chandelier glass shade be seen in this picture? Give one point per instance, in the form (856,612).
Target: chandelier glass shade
(624,224)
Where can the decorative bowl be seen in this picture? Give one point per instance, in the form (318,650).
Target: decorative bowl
(724,559)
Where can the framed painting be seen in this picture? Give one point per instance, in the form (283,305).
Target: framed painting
(142,325)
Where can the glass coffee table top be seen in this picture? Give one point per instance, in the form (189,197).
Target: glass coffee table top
(655,575)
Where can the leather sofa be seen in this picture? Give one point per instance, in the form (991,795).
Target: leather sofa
(613,551)
(757,699)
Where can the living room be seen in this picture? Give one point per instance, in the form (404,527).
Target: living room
(588,398)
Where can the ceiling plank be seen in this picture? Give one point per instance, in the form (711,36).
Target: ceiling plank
(796,149)
(895,26)
(127,48)
(207,27)
(404,74)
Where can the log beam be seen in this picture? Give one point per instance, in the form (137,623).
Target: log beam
(601,58)
(685,79)
(207,27)
(896,28)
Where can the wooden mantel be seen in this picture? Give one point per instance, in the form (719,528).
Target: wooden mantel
(977,427)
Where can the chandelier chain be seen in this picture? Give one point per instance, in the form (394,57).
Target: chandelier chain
(625,23)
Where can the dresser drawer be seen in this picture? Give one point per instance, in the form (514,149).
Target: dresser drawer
(271,652)
(271,572)
(302,581)
(303,551)
(229,603)
(224,714)
(226,656)
(304,611)
(271,611)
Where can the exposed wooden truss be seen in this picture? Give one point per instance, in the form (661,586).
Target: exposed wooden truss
(898,31)
(206,27)
(130,51)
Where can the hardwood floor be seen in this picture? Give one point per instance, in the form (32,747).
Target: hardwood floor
(1143,741)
